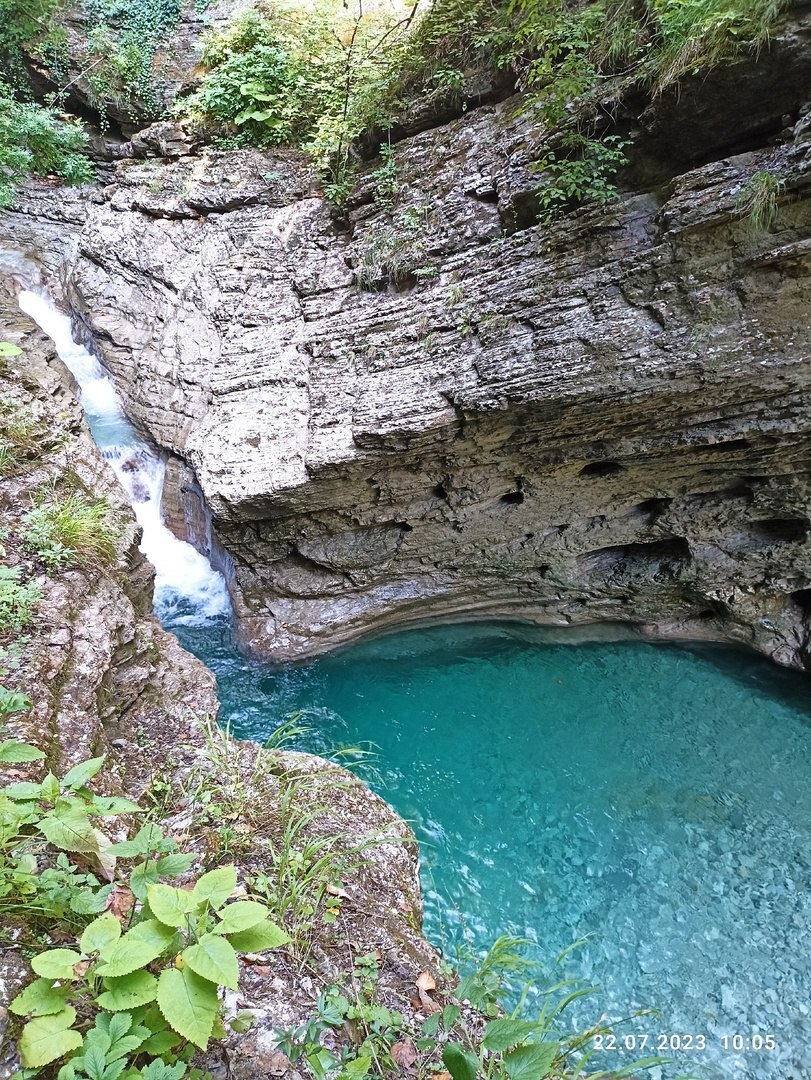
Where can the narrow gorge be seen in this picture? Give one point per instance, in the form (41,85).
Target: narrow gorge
(481,465)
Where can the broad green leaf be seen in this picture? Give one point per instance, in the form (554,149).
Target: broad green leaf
(70,831)
(40,998)
(161,1042)
(143,875)
(78,776)
(55,963)
(450,1014)
(14,753)
(87,902)
(430,1025)
(531,1062)
(216,886)
(24,790)
(128,991)
(263,936)
(505,1034)
(159,1070)
(93,1061)
(47,1038)
(240,916)
(170,905)
(214,959)
(50,788)
(138,947)
(7,349)
(172,865)
(461,1065)
(113,805)
(188,1003)
(101,933)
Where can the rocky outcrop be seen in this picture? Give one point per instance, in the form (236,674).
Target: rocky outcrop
(600,419)
(104,678)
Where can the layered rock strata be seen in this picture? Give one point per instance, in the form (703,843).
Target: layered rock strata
(603,418)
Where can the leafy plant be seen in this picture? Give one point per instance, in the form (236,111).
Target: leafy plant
(147,969)
(69,530)
(35,141)
(17,599)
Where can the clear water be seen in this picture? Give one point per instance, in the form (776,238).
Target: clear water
(652,799)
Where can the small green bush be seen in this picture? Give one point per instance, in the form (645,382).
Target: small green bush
(71,530)
(35,141)
(17,600)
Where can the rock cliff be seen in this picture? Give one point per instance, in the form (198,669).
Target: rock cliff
(439,408)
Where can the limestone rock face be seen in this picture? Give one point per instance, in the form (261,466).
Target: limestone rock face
(605,418)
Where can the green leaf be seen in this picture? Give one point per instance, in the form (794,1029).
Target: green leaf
(7,349)
(240,916)
(113,805)
(450,1014)
(40,998)
(188,1003)
(70,830)
(161,1042)
(531,1062)
(78,776)
(170,905)
(505,1034)
(55,963)
(100,933)
(216,886)
(265,935)
(23,790)
(50,788)
(159,1070)
(213,958)
(128,991)
(143,875)
(172,865)
(430,1025)
(14,753)
(138,947)
(47,1038)
(460,1065)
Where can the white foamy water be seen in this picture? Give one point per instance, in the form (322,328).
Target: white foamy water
(188,590)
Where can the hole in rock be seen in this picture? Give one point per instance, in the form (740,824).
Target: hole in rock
(512,497)
(802,598)
(405,527)
(639,558)
(780,530)
(601,468)
(440,491)
(725,447)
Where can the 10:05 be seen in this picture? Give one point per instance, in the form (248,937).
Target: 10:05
(749,1042)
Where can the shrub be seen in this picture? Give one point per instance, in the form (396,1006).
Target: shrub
(71,530)
(35,141)
(17,600)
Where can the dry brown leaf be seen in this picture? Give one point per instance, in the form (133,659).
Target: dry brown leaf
(120,902)
(80,969)
(427,1004)
(263,970)
(441,1076)
(404,1053)
(333,890)
(426,981)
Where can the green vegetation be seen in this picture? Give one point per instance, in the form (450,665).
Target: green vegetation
(377,1041)
(323,77)
(17,600)
(394,253)
(757,200)
(35,141)
(121,64)
(138,990)
(70,530)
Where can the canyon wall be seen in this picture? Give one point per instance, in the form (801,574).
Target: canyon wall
(604,418)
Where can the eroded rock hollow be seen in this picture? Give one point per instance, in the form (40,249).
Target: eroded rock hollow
(601,420)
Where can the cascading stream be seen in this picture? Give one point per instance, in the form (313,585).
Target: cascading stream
(187,588)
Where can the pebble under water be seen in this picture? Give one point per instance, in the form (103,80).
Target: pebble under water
(653,799)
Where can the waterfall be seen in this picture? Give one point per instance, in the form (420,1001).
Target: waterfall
(188,591)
